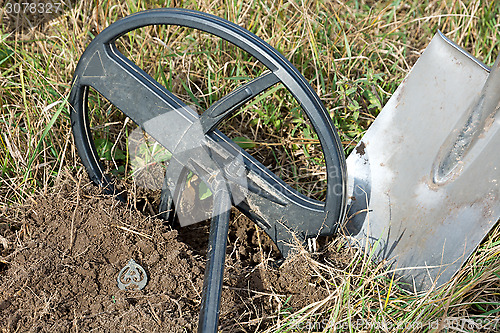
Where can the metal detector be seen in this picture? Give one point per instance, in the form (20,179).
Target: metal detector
(233,176)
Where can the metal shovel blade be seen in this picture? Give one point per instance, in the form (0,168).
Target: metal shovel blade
(423,181)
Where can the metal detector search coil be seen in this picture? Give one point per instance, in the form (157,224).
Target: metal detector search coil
(233,176)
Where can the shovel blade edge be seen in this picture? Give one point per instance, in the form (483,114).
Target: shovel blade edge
(422,229)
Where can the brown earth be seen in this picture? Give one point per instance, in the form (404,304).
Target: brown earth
(61,254)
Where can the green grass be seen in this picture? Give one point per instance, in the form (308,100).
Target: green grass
(354,54)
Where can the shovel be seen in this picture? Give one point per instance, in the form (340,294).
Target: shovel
(423,181)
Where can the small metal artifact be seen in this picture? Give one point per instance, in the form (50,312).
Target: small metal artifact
(132,277)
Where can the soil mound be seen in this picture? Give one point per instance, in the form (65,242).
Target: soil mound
(61,255)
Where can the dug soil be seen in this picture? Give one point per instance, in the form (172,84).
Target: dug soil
(61,253)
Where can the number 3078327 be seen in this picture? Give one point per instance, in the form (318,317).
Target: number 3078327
(32,7)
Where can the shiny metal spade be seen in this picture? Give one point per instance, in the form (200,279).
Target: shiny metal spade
(423,181)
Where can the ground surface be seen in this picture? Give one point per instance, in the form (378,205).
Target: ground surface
(65,250)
